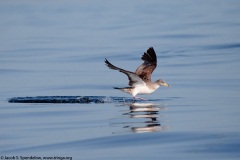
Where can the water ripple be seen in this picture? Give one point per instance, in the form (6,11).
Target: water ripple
(222,46)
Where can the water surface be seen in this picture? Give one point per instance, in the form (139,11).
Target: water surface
(57,48)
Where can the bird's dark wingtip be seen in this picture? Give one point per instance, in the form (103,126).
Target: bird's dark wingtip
(149,56)
(150,49)
(106,61)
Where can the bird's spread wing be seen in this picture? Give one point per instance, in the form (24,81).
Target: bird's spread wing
(145,70)
(134,79)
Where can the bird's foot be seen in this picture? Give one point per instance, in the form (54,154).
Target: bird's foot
(140,98)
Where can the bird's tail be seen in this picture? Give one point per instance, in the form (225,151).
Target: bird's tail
(125,89)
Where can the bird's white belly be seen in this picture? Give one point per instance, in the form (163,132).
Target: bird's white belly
(142,90)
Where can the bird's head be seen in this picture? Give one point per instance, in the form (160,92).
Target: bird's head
(161,82)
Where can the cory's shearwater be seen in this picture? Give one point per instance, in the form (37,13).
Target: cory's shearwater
(140,80)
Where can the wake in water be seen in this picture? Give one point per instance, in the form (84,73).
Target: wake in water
(72,99)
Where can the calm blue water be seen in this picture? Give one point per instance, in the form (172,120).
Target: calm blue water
(57,48)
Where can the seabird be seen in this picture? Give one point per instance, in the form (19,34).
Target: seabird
(140,80)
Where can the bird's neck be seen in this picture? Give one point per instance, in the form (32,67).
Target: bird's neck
(154,85)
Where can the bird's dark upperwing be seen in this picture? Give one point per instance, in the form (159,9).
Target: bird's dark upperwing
(145,70)
(134,79)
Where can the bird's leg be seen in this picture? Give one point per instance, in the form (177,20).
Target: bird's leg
(134,99)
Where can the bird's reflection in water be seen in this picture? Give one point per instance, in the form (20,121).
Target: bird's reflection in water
(142,117)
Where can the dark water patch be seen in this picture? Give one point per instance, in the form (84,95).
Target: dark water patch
(170,36)
(229,147)
(229,144)
(182,36)
(7,71)
(221,46)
